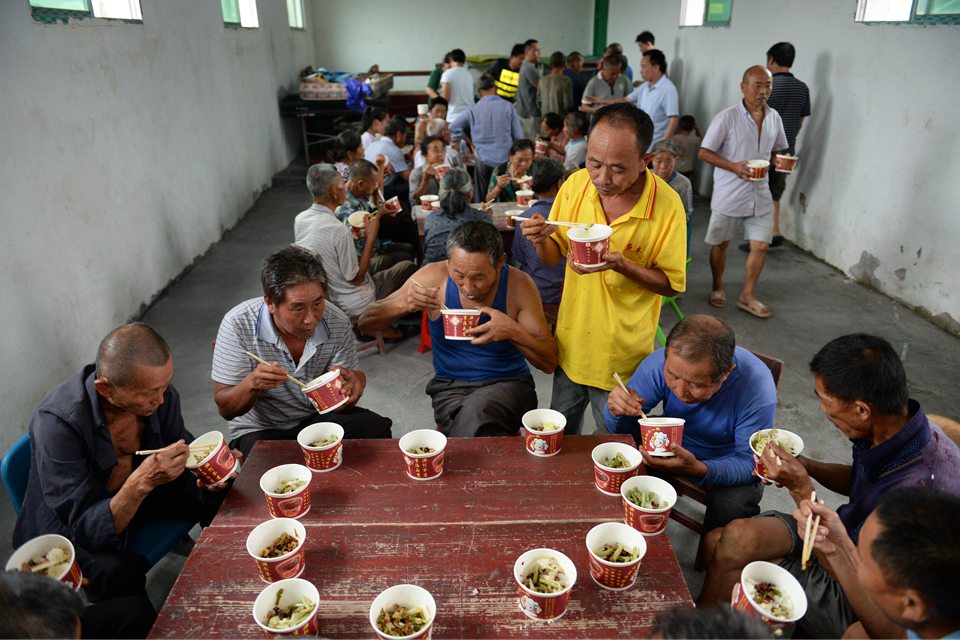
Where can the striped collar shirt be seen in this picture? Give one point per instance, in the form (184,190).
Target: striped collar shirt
(791,99)
(249,327)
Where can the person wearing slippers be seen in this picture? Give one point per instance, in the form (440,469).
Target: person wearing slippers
(748,131)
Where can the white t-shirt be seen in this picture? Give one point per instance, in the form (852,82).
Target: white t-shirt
(461,90)
(367,138)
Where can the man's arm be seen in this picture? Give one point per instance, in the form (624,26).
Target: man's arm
(516,128)
(445,90)
(158,469)
(653,280)
(714,158)
(237,388)
(371,226)
(420,291)
(540,235)
(672,123)
(529,333)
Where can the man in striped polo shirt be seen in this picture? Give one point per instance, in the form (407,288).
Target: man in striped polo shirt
(299,333)
(791,99)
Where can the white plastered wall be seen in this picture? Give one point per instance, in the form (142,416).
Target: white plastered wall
(127,150)
(414,34)
(877,190)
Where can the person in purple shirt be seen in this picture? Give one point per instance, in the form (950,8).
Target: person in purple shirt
(724,393)
(862,387)
(547,177)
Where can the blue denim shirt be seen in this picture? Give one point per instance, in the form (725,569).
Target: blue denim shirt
(71,458)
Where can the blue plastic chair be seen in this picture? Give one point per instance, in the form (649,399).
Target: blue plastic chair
(153,541)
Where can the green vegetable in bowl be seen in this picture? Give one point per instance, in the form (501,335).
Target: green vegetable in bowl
(400,621)
(289,617)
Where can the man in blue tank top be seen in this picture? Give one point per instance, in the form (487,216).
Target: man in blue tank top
(482,385)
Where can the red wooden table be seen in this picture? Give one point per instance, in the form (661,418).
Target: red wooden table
(371,526)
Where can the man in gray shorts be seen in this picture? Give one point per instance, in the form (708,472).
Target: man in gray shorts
(862,388)
(749,130)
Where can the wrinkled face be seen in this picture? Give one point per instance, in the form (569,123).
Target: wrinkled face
(663,164)
(757,87)
(435,152)
(612,159)
(691,382)
(473,274)
(439,111)
(143,395)
(852,418)
(870,575)
(520,162)
(300,311)
(609,74)
(338,192)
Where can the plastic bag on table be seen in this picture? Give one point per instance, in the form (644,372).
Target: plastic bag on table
(356,91)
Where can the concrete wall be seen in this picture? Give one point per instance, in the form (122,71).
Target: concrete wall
(127,150)
(876,192)
(414,34)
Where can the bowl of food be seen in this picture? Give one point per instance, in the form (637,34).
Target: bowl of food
(658,435)
(403,612)
(456,323)
(429,203)
(326,392)
(647,502)
(546,577)
(441,170)
(588,244)
(543,431)
(524,196)
(523,182)
(392,205)
(423,453)
(357,219)
(613,463)
(758,169)
(322,446)
(771,593)
(287,490)
(277,546)
(787,440)
(210,459)
(288,607)
(784,162)
(49,555)
(511,217)
(615,554)
(541,147)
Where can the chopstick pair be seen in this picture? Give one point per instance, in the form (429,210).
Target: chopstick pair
(262,361)
(198,447)
(442,306)
(809,536)
(578,225)
(616,376)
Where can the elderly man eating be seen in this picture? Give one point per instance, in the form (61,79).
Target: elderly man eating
(482,386)
(724,393)
(609,314)
(295,330)
(86,482)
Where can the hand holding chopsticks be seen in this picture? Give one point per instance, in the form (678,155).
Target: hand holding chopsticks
(809,535)
(442,306)
(561,223)
(262,361)
(194,448)
(616,376)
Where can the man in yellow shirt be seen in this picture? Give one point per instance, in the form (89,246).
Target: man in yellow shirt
(609,314)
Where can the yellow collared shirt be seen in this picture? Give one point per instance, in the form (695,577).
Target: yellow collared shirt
(607,322)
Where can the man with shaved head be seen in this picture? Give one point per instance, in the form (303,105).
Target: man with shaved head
(86,482)
(749,130)
(723,392)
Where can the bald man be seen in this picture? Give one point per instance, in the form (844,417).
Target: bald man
(749,130)
(723,392)
(87,484)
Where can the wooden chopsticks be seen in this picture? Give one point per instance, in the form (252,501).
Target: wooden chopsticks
(442,306)
(616,376)
(262,361)
(809,536)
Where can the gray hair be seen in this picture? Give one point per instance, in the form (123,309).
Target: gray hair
(289,267)
(477,236)
(486,82)
(455,190)
(666,145)
(127,347)
(320,177)
(436,126)
(362,169)
(697,337)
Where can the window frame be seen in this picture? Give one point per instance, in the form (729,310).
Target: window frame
(240,15)
(52,15)
(947,19)
(725,6)
(301,12)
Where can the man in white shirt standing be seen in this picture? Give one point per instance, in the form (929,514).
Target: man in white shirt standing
(749,130)
(657,96)
(349,283)
(456,85)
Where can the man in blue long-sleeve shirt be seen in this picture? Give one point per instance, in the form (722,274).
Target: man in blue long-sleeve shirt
(724,393)
(492,124)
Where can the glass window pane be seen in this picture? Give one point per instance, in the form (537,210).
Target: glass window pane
(691,13)
(718,11)
(117,9)
(231,11)
(295,13)
(65,5)
(883,10)
(938,7)
(248,14)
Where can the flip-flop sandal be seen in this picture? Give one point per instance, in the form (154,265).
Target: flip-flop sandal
(718,299)
(756,308)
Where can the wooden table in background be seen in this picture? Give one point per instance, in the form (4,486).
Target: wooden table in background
(370,527)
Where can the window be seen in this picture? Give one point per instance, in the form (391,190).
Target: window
(240,13)
(65,9)
(705,13)
(916,11)
(295,13)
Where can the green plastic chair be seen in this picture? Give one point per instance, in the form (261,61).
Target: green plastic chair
(672,303)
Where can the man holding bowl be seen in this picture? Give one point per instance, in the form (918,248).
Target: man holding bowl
(724,393)
(609,313)
(87,482)
(482,385)
(297,333)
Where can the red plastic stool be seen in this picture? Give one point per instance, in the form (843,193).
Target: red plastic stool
(424,333)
